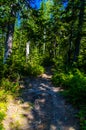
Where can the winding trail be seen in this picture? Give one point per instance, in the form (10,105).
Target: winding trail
(42,107)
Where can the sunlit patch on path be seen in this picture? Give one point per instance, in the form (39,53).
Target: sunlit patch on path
(42,108)
(15,119)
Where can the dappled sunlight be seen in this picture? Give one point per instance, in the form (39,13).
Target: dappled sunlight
(52,127)
(40,107)
(43,42)
(49,111)
(15,119)
(46,76)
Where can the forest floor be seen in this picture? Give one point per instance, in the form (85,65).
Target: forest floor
(40,107)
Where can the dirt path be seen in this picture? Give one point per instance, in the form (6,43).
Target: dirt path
(42,108)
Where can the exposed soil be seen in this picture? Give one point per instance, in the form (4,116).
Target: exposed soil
(40,107)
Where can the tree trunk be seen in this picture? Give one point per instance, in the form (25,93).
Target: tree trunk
(8,42)
(79,34)
(54,51)
(44,37)
(10,31)
(27,50)
(71,35)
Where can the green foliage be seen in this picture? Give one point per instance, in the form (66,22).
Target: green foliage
(62,31)
(1,116)
(6,88)
(9,86)
(82,117)
(78,87)
(35,57)
(35,70)
(60,78)
(3,96)
(47,61)
(74,83)
(1,127)
(12,70)
(34,63)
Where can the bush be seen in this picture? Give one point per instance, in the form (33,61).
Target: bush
(33,66)
(6,88)
(37,70)
(77,87)
(82,117)
(75,84)
(62,79)
(2,115)
(15,68)
(33,69)
(3,96)
(7,85)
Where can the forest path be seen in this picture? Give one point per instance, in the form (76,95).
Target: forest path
(42,107)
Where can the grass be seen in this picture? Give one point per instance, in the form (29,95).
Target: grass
(3,107)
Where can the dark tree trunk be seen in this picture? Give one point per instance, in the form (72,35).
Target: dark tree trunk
(71,35)
(9,35)
(79,34)
(54,49)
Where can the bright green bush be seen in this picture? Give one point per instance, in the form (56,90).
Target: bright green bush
(1,127)
(62,79)
(77,87)
(33,69)
(1,116)
(3,96)
(6,88)
(37,70)
(15,68)
(33,66)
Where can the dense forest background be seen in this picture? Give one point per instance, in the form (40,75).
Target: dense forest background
(31,39)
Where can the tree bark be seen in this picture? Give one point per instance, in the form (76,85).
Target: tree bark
(9,35)
(44,37)
(8,42)
(27,50)
(79,34)
(69,53)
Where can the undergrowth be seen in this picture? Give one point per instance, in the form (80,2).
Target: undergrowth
(74,84)
(7,88)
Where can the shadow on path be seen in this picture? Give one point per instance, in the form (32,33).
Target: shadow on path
(49,110)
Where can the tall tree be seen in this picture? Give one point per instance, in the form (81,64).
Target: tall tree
(79,31)
(8,13)
(10,31)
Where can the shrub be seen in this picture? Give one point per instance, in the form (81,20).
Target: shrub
(62,79)
(2,115)
(6,88)
(2,107)
(7,85)
(33,69)
(75,84)
(82,117)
